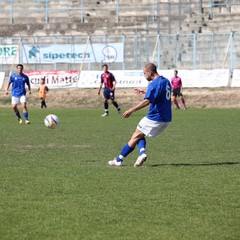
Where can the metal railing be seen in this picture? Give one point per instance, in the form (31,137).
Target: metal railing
(228,4)
(182,51)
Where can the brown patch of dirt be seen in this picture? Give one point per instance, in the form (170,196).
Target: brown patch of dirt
(88,98)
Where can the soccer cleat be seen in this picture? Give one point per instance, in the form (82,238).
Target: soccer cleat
(27,122)
(105,114)
(140,160)
(115,163)
(119,112)
(20,120)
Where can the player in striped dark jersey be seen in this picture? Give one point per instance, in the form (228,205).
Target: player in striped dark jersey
(109,81)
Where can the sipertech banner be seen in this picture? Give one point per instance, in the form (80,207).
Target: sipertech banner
(69,53)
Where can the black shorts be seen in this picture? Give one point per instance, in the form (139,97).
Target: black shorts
(108,94)
(177,92)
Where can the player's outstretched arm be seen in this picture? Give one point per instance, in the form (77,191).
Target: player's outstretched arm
(139,106)
(139,91)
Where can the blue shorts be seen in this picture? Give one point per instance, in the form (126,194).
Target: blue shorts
(108,94)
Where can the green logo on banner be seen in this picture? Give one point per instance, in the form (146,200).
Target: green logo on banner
(8,51)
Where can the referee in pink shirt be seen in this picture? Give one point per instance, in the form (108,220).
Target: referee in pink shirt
(176,83)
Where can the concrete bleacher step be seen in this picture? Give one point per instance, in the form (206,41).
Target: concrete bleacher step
(64,10)
(135,17)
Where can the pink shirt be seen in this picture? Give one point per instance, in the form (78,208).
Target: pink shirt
(176,82)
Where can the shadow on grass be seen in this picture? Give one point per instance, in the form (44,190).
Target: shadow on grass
(194,164)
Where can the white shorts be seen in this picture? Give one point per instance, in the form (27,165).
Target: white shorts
(151,128)
(18,100)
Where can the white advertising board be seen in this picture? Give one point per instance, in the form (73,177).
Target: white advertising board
(133,78)
(200,78)
(236,78)
(125,79)
(2,74)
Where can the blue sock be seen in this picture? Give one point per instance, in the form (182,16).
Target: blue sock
(25,115)
(125,151)
(141,146)
(18,114)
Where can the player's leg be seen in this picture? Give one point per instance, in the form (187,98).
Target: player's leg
(175,94)
(183,102)
(141,146)
(150,129)
(106,97)
(41,102)
(105,108)
(142,153)
(127,148)
(115,104)
(176,103)
(23,101)
(44,103)
(15,102)
(15,108)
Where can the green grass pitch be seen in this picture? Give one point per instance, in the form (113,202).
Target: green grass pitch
(56,184)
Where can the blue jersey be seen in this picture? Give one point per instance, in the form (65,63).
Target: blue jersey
(18,84)
(159,95)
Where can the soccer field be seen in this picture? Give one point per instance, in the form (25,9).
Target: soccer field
(56,184)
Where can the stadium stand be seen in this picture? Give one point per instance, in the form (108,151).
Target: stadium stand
(45,19)
(61,17)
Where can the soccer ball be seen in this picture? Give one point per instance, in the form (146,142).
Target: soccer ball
(51,121)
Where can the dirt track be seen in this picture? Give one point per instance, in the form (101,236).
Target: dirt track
(195,98)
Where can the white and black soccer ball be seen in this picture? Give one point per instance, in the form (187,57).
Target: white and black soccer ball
(51,121)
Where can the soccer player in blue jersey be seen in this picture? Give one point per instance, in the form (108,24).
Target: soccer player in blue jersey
(109,81)
(18,81)
(158,118)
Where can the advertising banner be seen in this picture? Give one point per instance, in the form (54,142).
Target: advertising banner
(2,74)
(124,79)
(200,78)
(54,79)
(9,54)
(132,78)
(236,78)
(69,53)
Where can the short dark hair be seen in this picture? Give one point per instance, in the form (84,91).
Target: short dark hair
(19,65)
(104,65)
